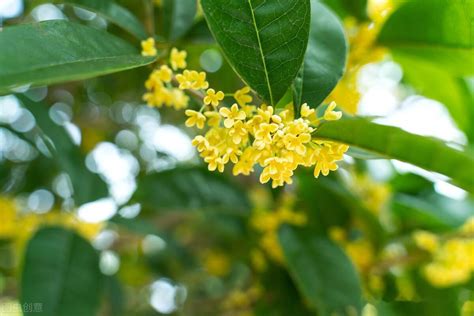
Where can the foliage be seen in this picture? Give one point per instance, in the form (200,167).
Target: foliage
(107,209)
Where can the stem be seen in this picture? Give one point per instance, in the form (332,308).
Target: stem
(198,95)
(150,17)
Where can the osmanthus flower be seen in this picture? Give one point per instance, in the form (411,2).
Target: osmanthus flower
(178,59)
(164,73)
(243,97)
(330,114)
(213,118)
(148,47)
(195,118)
(245,134)
(191,79)
(267,223)
(212,97)
(452,256)
(232,115)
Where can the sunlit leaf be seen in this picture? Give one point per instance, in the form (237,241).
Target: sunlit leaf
(325,58)
(322,272)
(394,143)
(61,273)
(439,31)
(432,81)
(63,51)
(265,41)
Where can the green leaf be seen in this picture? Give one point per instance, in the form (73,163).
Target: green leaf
(264,41)
(191,188)
(439,31)
(178,17)
(322,272)
(325,57)
(394,143)
(114,13)
(436,83)
(331,204)
(432,212)
(87,185)
(61,272)
(59,51)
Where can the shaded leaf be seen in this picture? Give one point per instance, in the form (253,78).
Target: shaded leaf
(63,51)
(265,41)
(394,143)
(322,272)
(178,17)
(191,188)
(61,272)
(87,185)
(325,57)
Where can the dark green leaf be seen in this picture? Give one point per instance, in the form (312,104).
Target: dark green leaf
(332,204)
(87,185)
(345,8)
(325,57)
(322,272)
(439,31)
(59,51)
(114,13)
(191,188)
(178,17)
(265,41)
(61,272)
(394,143)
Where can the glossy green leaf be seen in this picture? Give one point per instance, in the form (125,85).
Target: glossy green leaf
(325,57)
(114,13)
(394,143)
(178,17)
(61,273)
(191,188)
(63,51)
(322,272)
(87,186)
(265,41)
(439,31)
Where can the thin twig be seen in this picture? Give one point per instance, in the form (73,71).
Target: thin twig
(150,17)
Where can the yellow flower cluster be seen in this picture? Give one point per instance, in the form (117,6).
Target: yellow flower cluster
(360,251)
(362,37)
(267,224)
(240,302)
(453,258)
(374,195)
(275,140)
(245,134)
(159,84)
(216,263)
(11,218)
